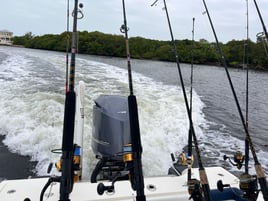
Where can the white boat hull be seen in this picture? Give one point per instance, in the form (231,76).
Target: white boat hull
(166,188)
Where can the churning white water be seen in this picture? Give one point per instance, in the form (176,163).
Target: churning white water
(32,107)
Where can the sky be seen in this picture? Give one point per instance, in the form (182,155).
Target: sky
(50,17)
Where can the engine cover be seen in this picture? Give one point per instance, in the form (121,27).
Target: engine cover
(111,129)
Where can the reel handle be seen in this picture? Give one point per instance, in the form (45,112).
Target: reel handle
(102,188)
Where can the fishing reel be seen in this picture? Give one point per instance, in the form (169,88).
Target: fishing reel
(248,183)
(75,168)
(238,159)
(123,29)
(195,190)
(128,160)
(183,159)
(76,163)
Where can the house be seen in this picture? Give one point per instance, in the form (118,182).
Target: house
(5,37)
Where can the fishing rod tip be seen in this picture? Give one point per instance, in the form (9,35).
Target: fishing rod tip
(154,3)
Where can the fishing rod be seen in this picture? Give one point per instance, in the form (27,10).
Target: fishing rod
(67,176)
(202,172)
(190,148)
(247,88)
(262,22)
(67,46)
(258,168)
(70,159)
(137,180)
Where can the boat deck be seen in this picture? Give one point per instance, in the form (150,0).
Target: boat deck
(168,188)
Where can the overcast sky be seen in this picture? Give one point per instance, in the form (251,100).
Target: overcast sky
(49,16)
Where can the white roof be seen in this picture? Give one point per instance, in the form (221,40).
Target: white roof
(4,30)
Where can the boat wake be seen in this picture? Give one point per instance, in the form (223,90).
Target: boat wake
(32,111)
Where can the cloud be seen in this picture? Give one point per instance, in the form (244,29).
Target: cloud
(229,17)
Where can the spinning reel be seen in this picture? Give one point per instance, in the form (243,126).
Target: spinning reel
(248,183)
(238,159)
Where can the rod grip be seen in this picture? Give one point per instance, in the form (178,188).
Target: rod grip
(69,119)
(134,124)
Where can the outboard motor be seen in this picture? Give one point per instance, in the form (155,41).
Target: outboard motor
(111,132)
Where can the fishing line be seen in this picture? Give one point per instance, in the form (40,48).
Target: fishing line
(258,168)
(136,175)
(202,172)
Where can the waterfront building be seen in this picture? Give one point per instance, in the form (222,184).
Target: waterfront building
(5,37)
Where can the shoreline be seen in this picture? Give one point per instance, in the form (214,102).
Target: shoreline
(217,64)
(14,166)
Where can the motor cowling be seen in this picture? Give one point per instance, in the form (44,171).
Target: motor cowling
(111,131)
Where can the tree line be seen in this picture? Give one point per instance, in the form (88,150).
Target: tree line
(202,51)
